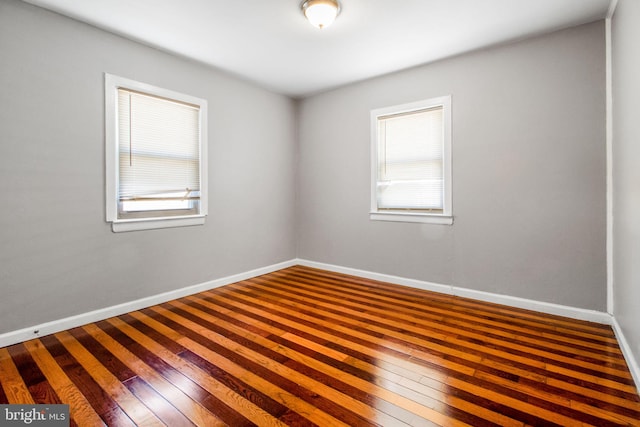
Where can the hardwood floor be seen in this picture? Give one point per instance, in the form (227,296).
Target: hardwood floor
(308,347)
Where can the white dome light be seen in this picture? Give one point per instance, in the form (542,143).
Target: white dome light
(321,13)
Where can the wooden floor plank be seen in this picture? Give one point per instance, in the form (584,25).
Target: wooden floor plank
(157,403)
(330,361)
(364,305)
(416,297)
(276,367)
(307,347)
(4,400)
(424,332)
(336,378)
(12,382)
(242,407)
(36,382)
(195,412)
(79,407)
(99,400)
(262,303)
(292,397)
(388,309)
(137,411)
(625,384)
(375,371)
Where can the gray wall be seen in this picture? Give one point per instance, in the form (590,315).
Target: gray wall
(58,256)
(529,179)
(626,170)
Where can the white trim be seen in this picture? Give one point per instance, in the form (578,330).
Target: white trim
(52,327)
(609,156)
(540,306)
(411,217)
(632,363)
(155,223)
(111,146)
(412,283)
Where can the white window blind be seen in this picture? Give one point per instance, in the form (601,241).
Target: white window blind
(159,153)
(410,160)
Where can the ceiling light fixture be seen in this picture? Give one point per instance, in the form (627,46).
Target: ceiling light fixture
(321,13)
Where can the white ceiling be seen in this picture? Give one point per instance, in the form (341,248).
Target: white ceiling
(270,42)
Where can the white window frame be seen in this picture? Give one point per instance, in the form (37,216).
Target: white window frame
(111,85)
(446,217)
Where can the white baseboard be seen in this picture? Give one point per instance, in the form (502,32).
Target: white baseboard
(632,363)
(540,306)
(52,327)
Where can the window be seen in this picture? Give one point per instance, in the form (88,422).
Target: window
(155,156)
(411,162)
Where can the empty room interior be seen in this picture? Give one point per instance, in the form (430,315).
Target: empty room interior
(414,213)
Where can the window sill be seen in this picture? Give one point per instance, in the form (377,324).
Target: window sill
(155,223)
(411,217)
